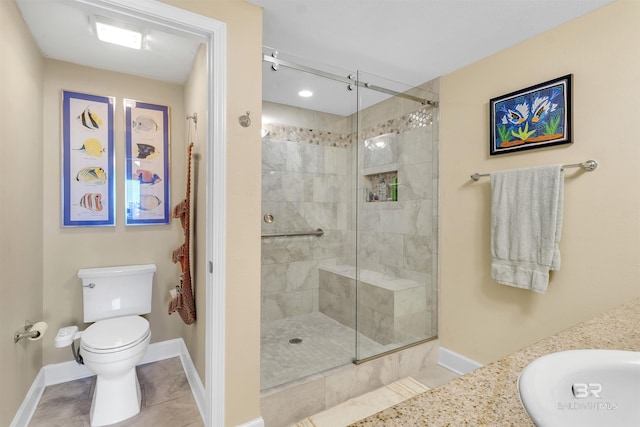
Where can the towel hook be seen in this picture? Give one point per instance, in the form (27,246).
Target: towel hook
(245,120)
(194,116)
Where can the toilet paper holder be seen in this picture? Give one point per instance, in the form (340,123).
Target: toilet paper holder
(26,332)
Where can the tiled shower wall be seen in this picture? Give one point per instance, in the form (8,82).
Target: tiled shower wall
(306,185)
(397,238)
(309,183)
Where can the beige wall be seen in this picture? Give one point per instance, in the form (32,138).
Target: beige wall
(601,234)
(244,93)
(21,176)
(195,89)
(66,250)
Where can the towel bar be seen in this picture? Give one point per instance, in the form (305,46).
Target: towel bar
(589,165)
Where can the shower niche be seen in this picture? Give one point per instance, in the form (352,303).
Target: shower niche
(381,187)
(380,168)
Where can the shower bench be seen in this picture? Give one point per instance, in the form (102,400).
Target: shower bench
(389,309)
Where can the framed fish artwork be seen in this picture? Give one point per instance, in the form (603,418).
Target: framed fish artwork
(535,117)
(147,163)
(88,187)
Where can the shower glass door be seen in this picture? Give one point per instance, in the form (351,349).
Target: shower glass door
(349,217)
(396,209)
(308,300)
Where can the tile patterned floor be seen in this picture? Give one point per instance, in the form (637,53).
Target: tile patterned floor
(166,400)
(326,344)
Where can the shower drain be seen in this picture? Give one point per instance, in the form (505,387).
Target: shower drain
(295,341)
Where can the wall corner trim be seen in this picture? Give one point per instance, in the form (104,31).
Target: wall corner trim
(456,362)
(69,371)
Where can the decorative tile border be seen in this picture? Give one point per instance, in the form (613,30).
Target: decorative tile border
(309,136)
(420,118)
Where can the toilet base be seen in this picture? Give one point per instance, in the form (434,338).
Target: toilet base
(115,399)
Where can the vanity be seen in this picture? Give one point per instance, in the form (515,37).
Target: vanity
(489,395)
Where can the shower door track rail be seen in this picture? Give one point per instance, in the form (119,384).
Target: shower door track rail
(357,361)
(350,80)
(318,232)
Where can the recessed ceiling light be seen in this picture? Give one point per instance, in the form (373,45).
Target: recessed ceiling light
(117,33)
(305,93)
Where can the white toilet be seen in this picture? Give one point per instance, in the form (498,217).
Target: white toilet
(113,298)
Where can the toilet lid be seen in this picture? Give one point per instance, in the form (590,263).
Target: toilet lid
(115,334)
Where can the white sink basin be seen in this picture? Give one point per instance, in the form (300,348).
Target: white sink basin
(583,388)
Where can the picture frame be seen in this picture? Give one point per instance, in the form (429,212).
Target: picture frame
(534,117)
(147,200)
(88,161)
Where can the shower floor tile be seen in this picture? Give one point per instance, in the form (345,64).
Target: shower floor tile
(325,344)
(166,400)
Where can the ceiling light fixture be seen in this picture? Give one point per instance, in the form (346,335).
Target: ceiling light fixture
(118,33)
(305,93)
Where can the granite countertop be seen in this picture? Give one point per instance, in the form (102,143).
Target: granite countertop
(488,396)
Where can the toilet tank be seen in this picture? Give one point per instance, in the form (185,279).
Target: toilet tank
(116,291)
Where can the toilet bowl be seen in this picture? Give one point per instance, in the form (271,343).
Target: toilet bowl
(111,349)
(113,298)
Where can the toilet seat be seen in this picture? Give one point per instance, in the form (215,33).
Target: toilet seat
(114,335)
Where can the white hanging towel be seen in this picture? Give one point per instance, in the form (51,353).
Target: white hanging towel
(526,224)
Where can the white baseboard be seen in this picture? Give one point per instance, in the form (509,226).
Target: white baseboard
(197,389)
(30,402)
(69,371)
(164,350)
(456,362)
(258,422)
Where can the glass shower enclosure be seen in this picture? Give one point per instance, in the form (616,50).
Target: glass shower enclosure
(349,217)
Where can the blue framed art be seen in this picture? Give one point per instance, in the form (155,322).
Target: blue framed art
(147,163)
(88,188)
(534,117)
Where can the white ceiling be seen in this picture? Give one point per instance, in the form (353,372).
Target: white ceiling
(411,41)
(408,41)
(63,31)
